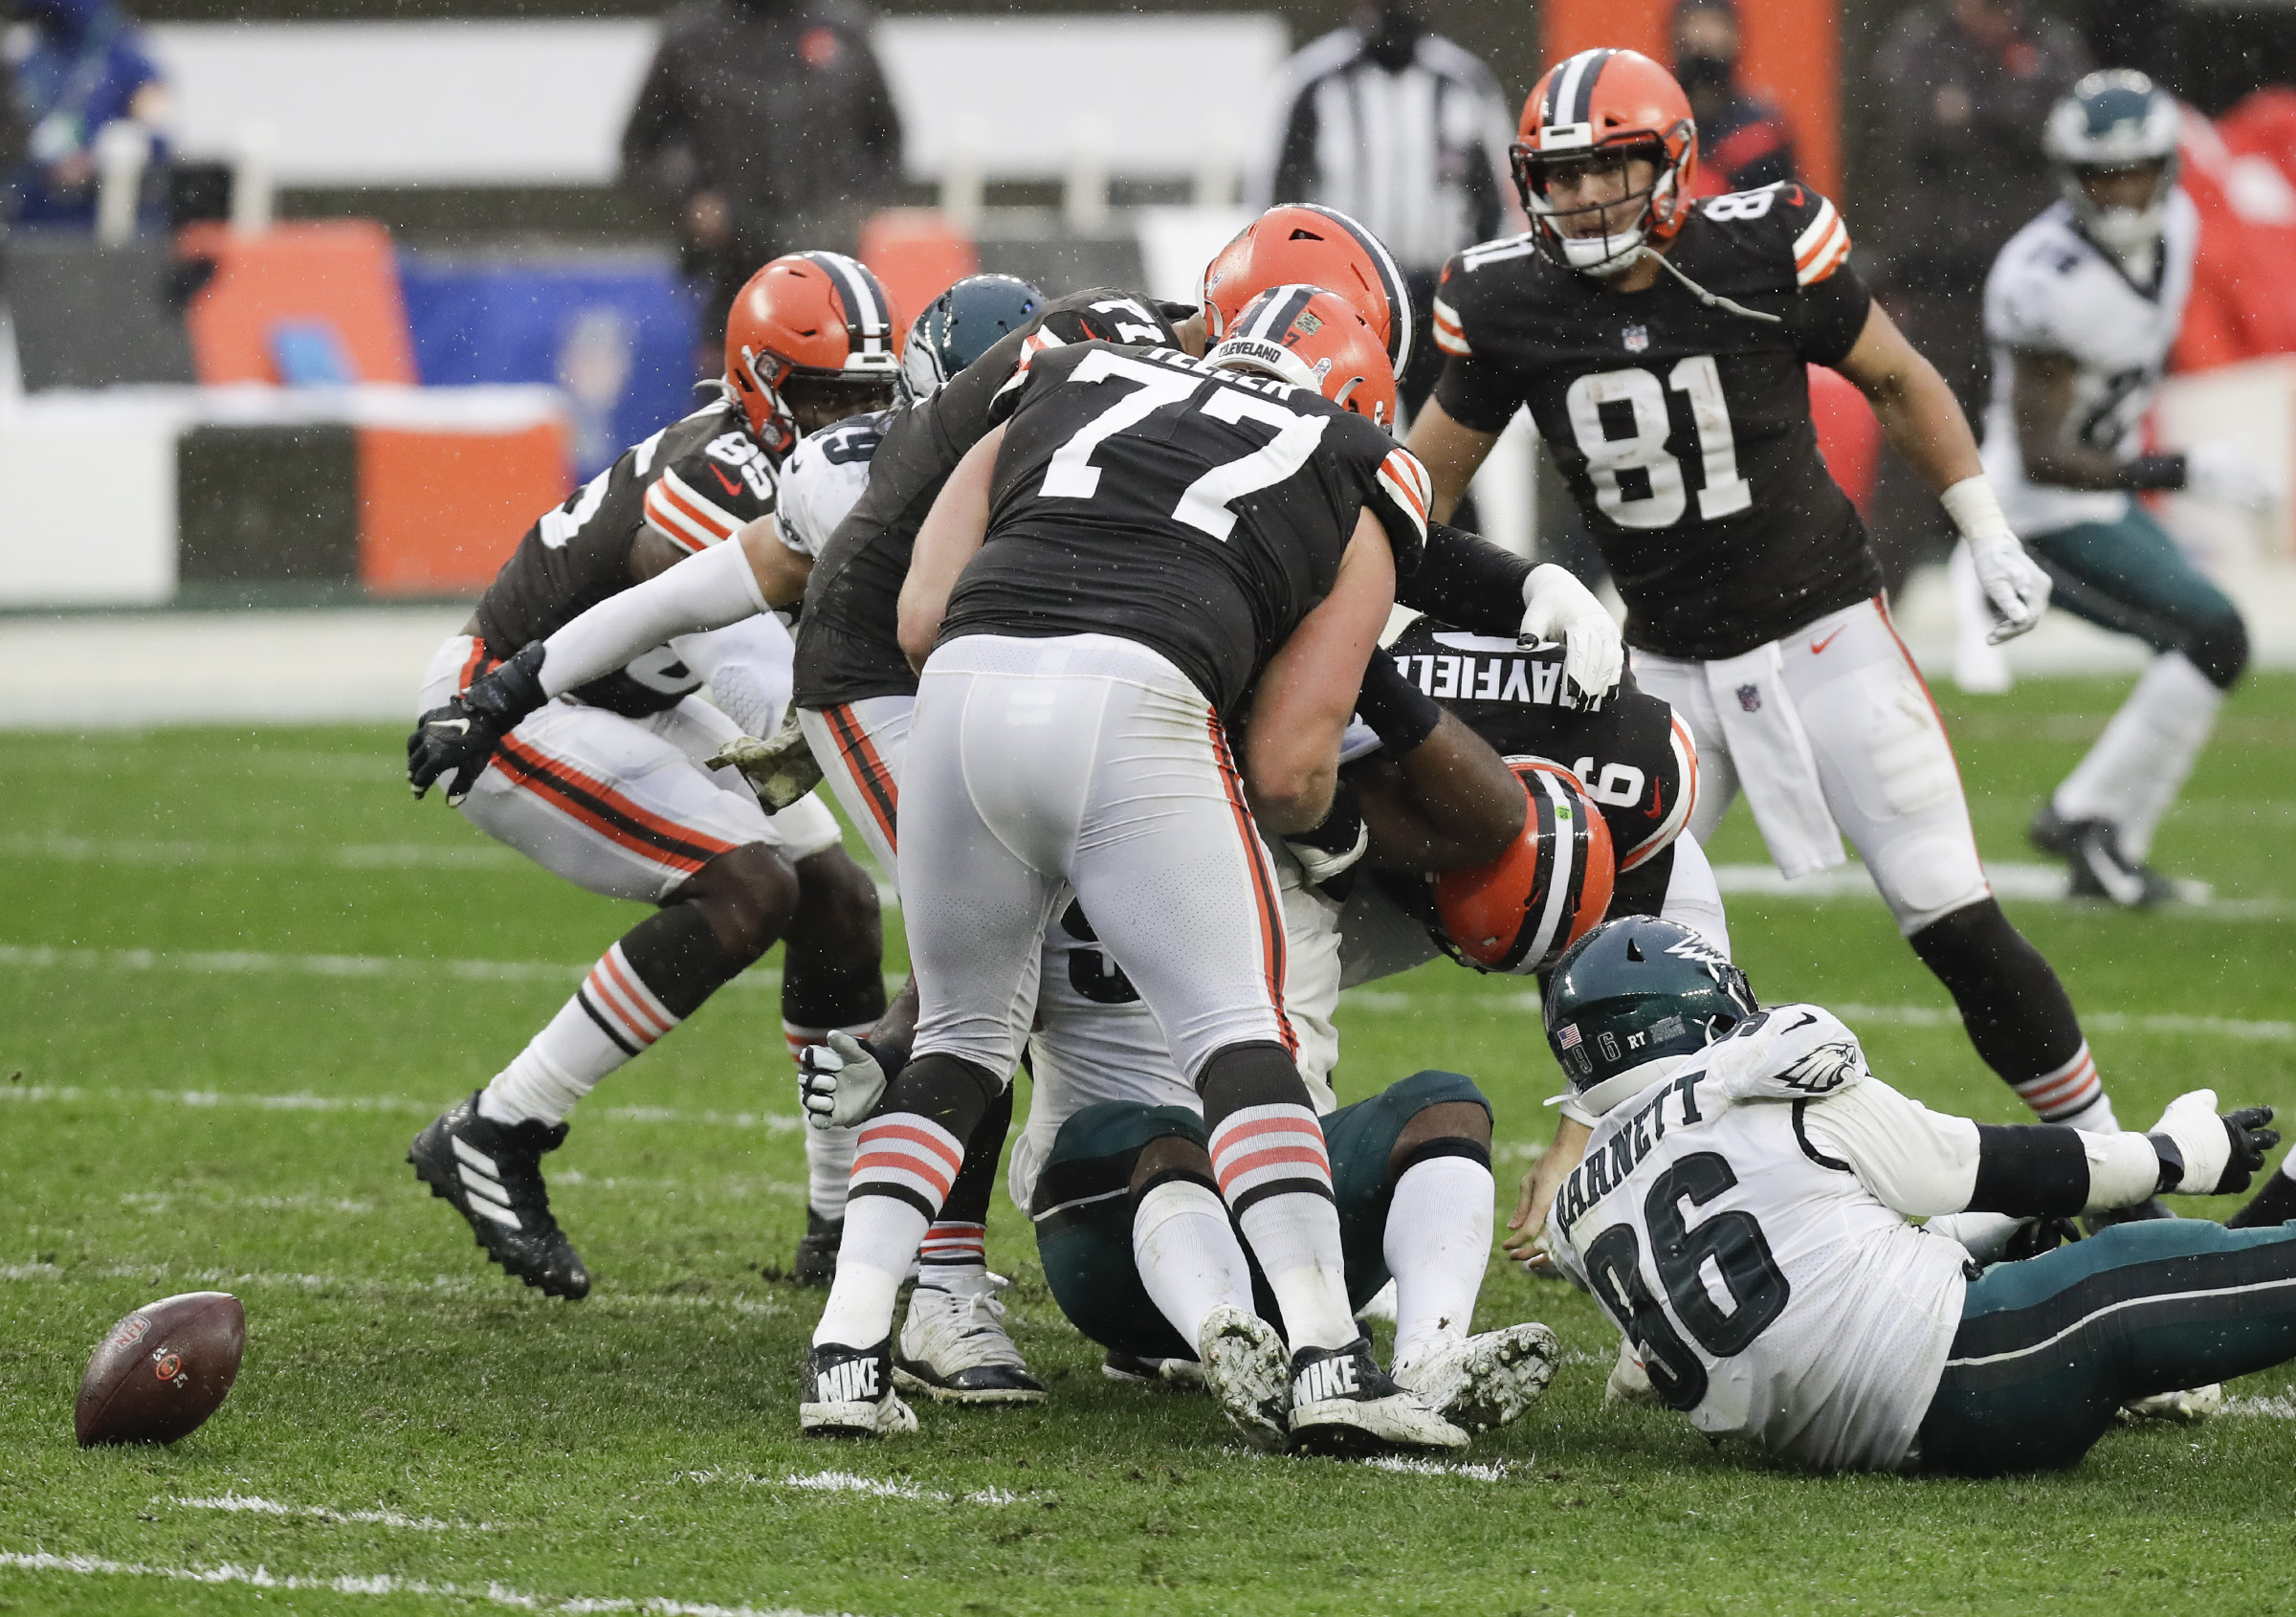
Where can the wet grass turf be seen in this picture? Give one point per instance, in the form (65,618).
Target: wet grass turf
(188,1098)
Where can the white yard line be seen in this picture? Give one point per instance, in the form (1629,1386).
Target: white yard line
(773,1123)
(1495,1471)
(349,856)
(379,1584)
(2039,884)
(485,1286)
(240,961)
(849,1482)
(2270,1408)
(260,1506)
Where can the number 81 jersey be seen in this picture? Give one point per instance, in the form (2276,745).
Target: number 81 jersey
(1683,430)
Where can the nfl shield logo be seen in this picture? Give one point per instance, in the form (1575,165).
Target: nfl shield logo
(1750,698)
(1638,338)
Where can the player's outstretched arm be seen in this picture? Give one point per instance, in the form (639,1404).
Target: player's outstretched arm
(710,591)
(1451,452)
(1924,422)
(951,536)
(1307,692)
(1538,1194)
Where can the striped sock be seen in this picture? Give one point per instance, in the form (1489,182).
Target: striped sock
(909,1158)
(828,1152)
(953,1251)
(901,1175)
(1276,1176)
(612,1017)
(2071,1093)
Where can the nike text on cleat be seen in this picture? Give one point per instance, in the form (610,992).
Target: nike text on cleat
(1245,1368)
(1135,1370)
(1486,1381)
(492,1173)
(1342,1403)
(955,1349)
(848,1393)
(817,1249)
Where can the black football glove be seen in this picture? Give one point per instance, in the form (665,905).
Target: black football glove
(461,736)
(2204,1153)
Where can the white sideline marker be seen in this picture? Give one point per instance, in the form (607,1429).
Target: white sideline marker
(380,1584)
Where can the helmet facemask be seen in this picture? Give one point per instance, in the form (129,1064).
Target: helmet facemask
(2114,122)
(1613,249)
(2128,233)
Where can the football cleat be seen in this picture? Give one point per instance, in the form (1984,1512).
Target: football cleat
(492,1174)
(2185,1408)
(1343,1404)
(848,1393)
(955,1348)
(817,1249)
(1486,1381)
(2093,850)
(1245,1368)
(1181,1375)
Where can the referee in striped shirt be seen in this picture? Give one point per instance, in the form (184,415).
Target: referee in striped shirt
(1407,133)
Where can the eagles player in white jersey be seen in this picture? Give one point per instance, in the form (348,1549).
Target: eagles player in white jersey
(1743,1212)
(2082,309)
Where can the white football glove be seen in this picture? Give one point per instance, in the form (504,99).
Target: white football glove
(2014,583)
(1558,607)
(2210,1154)
(2223,475)
(839,1083)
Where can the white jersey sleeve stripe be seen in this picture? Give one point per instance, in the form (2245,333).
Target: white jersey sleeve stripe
(685,517)
(1815,230)
(1450,335)
(1826,255)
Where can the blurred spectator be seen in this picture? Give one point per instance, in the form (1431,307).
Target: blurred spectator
(76,65)
(1953,168)
(1743,139)
(764,127)
(1407,134)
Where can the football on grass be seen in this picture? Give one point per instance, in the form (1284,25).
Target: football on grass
(162,1370)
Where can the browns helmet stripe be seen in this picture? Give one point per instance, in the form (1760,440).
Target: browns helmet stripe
(1391,282)
(1272,317)
(1570,90)
(868,311)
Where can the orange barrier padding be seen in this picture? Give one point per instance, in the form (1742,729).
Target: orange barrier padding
(339,270)
(1848,435)
(440,512)
(918,254)
(1793,51)
(2240,172)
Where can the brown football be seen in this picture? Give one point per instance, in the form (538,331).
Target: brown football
(163,1370)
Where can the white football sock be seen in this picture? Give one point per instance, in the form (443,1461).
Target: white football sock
(612,1017)
(2140,762)
(828,1152)
(1296,1239)
(1437,1243)
(1189,1257)
(881,1236)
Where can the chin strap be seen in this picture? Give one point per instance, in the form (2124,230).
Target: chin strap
(1711,299)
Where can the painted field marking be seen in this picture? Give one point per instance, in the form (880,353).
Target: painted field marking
(256,1505)
(849,1482)
(2037,884)
(439,1288)
(774,1122)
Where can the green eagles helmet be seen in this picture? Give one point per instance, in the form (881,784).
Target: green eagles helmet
(2116,118)
(962,324)
(1633,996)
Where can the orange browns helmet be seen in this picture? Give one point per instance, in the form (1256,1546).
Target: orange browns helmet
(1609,101)
(816,317)
(1521,911)
(1315,340)
(1299,244)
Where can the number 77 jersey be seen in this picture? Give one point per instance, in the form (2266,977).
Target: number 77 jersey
(1201,512)
(1683,429)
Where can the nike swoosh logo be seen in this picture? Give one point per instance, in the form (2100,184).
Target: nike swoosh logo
(1818,646)
(1807,1020)
(1658,803)
(735,489)
(460,726)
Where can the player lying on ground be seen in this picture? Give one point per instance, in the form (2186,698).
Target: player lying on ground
(1661,345)
(605,786)
(1742,1215)
(2082,309)
(1149,538)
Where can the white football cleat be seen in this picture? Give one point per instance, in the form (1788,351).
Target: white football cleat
(954,1346)
(2187,1408)
(1246,1369)
(1342,1403)
(848,1393)
(1484,1381)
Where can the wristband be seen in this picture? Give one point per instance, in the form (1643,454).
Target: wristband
(1401,713)
(1975,510)
(2148,472)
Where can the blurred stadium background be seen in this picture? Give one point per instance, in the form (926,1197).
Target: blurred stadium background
(369,283)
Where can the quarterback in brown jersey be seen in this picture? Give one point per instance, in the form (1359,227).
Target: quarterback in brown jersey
(1660,343)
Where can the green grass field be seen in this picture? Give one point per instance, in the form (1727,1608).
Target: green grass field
(239,969)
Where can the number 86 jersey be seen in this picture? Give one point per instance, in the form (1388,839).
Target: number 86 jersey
(1683,430)
(1767,1289)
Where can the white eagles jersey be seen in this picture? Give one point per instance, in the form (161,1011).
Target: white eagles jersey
(1767,1289)
(825,477)
(2055,291)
